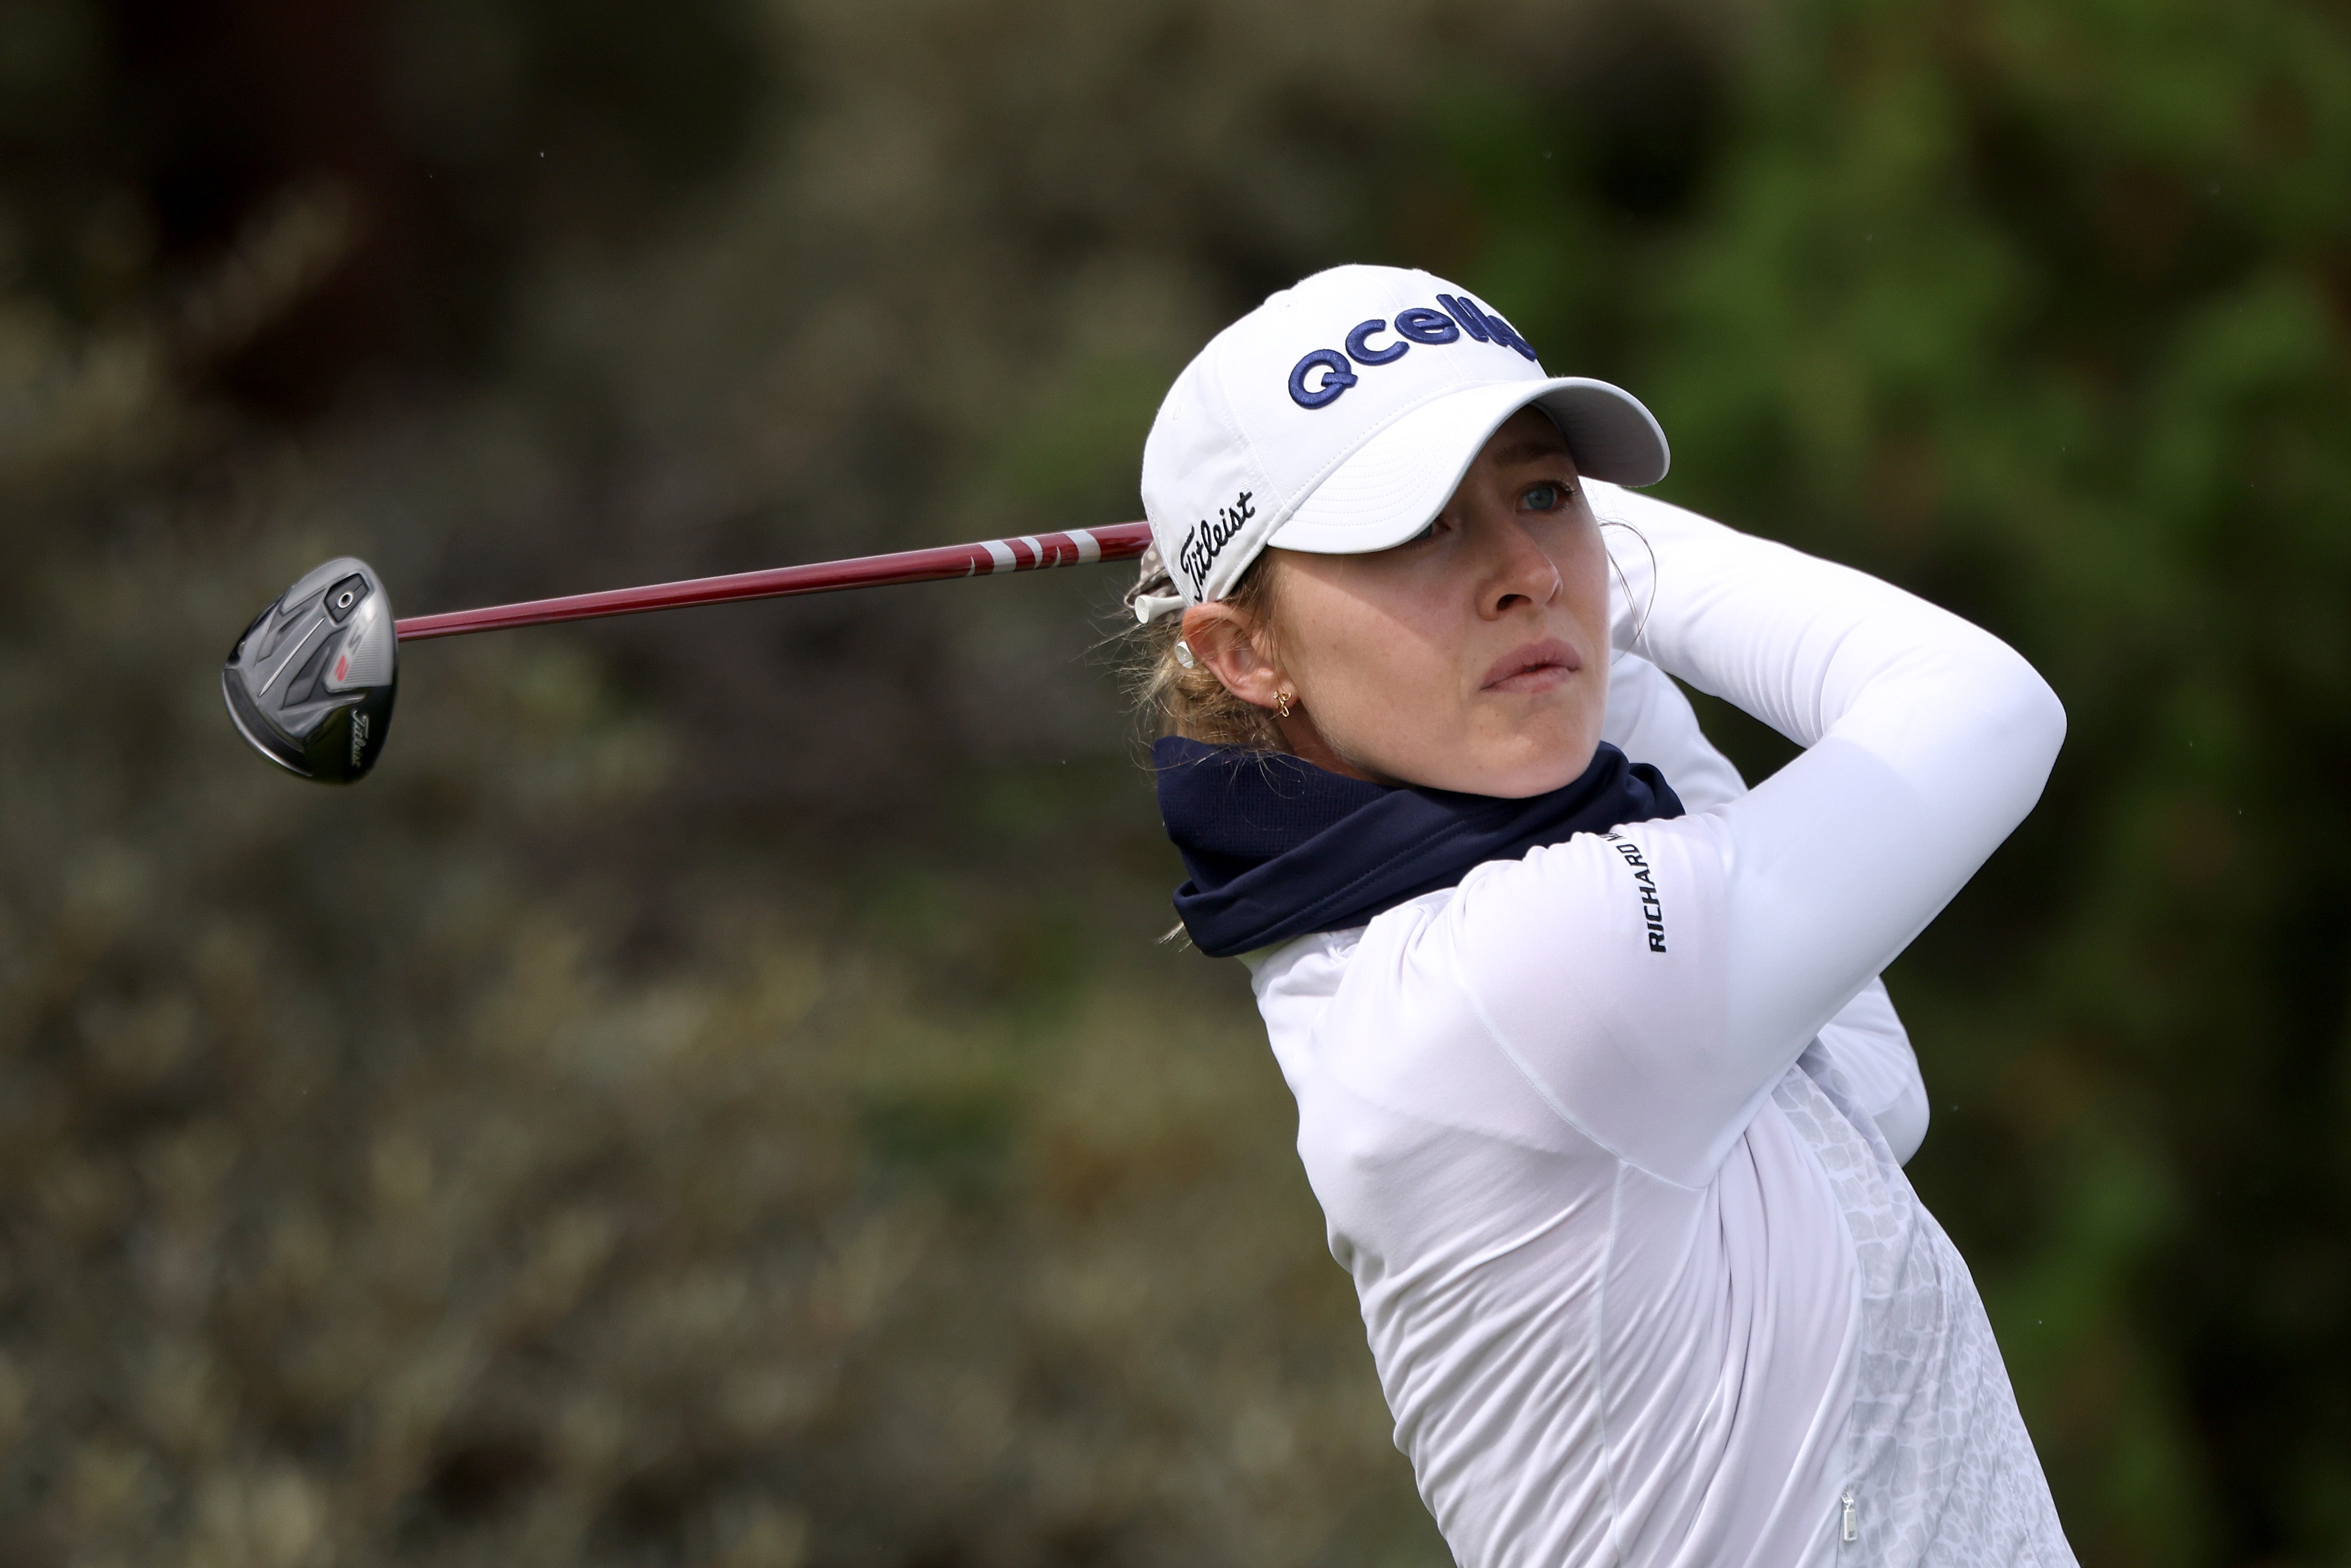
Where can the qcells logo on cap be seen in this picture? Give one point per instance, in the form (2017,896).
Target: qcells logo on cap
(1417,325)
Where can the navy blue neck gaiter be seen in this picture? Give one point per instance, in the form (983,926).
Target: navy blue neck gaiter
(1278,848)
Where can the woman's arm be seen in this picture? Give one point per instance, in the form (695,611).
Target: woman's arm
(1649,720)
(1652,985)
(1927,741)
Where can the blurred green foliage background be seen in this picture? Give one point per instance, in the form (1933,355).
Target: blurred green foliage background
(714,1097)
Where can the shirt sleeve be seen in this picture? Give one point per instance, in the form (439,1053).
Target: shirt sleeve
(1868,1045)
(1650,720)
(1653,984)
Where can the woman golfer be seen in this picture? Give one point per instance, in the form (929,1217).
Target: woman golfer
(1597,1084)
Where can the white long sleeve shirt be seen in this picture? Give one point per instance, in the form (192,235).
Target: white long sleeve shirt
(1610,1136)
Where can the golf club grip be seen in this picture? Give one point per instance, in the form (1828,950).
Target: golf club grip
(1029,552)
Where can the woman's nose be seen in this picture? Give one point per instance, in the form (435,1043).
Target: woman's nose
(1522,574)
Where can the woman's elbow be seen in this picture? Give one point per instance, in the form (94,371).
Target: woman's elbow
(2027,715)
(2042,719)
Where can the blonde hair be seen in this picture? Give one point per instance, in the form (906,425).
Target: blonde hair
(1171,696)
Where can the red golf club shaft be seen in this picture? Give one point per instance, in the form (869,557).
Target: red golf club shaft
(1120,541)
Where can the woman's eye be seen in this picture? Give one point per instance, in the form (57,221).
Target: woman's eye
(1544,497)
(1423,536)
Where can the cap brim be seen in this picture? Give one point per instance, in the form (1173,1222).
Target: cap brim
(1389,488)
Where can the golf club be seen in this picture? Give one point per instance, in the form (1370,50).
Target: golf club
(310,684)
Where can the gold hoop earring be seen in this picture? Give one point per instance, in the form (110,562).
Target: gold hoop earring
(1282,704)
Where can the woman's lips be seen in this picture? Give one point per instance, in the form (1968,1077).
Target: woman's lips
(1537,668)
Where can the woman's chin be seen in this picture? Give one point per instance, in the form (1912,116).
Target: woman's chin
(1525,785)
(1512,775)
(1507,756)
(1535,760)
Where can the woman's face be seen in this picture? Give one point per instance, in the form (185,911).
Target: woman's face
(1474,658)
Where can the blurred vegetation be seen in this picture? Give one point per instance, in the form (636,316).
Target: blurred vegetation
(714,1096)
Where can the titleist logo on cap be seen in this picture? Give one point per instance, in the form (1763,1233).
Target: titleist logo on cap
(1208,537)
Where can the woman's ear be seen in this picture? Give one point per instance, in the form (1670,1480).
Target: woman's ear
(1229,644)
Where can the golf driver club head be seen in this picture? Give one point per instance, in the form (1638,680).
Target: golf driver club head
(310,682)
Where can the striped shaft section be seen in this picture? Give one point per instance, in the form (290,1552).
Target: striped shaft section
(1029,552)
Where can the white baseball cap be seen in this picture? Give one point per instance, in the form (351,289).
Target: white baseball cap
(1339,416)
